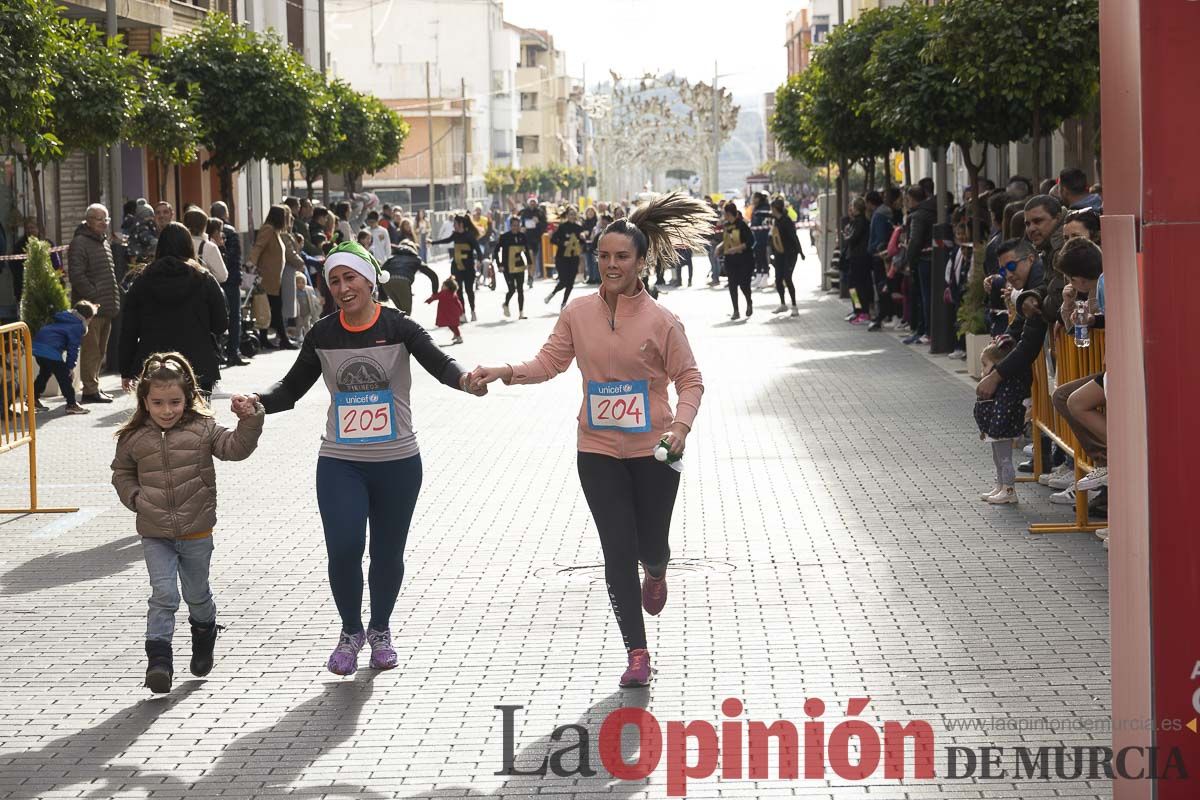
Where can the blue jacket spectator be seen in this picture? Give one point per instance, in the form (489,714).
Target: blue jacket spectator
(59,340)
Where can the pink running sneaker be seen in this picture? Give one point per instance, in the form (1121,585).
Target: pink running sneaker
(383,655)
(654,592)
(638,673)
(344,660)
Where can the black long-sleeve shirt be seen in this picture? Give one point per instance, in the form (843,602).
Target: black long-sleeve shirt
(465,246)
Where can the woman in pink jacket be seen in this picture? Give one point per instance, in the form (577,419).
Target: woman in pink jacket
(629,348)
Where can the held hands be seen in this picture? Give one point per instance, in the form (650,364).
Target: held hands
(244,405)
(476,380)
(987,387)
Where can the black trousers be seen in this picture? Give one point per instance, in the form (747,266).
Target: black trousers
(48,367)
(233,305)
(739,276)
(568,270)
(785,265)
(278,324)
(631,501)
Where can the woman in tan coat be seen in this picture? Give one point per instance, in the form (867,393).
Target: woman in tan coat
(269,255)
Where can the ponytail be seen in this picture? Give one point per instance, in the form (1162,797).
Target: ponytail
(665,224)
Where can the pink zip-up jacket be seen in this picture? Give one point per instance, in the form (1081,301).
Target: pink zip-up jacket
(617,352)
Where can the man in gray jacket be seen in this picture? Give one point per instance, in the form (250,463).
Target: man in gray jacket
(90,271)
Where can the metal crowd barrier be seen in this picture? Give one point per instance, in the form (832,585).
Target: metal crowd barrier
(1072,363)
(18,421)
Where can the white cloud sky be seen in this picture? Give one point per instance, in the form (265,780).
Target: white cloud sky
(636,36)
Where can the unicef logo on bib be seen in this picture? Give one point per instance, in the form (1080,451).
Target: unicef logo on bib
(619,405)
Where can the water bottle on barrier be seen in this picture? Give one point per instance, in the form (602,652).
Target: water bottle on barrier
(663,453)
(1083,336)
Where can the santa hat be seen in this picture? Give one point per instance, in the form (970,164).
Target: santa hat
(357,258)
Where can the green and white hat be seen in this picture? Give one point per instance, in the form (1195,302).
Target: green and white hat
(357,258)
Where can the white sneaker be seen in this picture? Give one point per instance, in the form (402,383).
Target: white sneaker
(1028,450)
(795,312)
(549,297)
(473,317)
(1093,480)
(1003,496)
(1062,480)
(456,340)
(985,496)
(1062,469)
(522,316)
(1064,498)
(1102,535)
(462,319)
(779,309)
(958,355)
(507,313)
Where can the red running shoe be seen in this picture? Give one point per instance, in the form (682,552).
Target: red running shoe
(638,673)
(654,592)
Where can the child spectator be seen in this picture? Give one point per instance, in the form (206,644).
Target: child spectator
(1001,419)
(163,472)
(56,348)
(308,305)
(449,309)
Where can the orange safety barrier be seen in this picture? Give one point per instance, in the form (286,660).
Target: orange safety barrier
(1072,363)
(18,426)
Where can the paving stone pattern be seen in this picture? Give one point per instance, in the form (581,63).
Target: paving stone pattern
(829,543)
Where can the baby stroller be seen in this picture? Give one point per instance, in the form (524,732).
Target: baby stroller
(252,294)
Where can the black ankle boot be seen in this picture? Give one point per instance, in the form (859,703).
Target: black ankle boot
(159,669)
(204,638)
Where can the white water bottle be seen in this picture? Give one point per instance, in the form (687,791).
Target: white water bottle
(1083,336)
(663,453)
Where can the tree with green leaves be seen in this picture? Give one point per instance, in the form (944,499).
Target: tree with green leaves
(272,114)
(27,91)
(1027,66)
(43,294)
(165,125)
(369,134)
(94,92)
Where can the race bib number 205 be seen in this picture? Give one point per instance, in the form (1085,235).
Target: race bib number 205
(619,405)
(365,417)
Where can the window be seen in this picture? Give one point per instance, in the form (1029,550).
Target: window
(499,84)
(530,59)
(529,101)
(527,144)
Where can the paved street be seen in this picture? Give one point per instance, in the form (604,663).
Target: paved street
(828,543)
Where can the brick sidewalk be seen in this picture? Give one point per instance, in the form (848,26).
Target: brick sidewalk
(828,543)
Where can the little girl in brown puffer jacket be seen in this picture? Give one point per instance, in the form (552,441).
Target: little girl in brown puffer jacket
(163,471)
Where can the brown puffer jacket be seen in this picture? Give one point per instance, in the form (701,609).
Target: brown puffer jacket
(167,477)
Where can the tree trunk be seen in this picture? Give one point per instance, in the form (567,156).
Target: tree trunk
(1037,149)
(973,182)
(163,172)
(38,204)
(870,175)
(292,178)
(226,179)
(908,181)
(308,184)
(843,185)
(887,170)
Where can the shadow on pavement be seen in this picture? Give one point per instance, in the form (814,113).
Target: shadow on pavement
(289,748)
(530,757)
(83,757)
(63,569)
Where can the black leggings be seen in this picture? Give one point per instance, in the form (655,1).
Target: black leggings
(739,278)
(275,301)
(762,264)
(466,283)
(631,501)
(516,285)
(568,269)
(785,264)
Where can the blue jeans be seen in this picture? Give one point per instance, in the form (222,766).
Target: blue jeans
(592,274)
(349,493)
(233,304)
(715,262)
(171,564)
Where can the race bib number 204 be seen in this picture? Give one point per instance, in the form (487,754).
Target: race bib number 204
(365,417)
(619,405)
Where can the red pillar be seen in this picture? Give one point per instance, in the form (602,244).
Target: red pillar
(1151,112)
